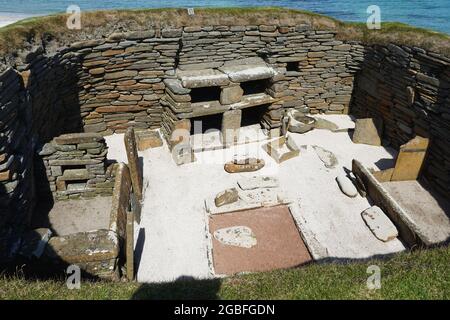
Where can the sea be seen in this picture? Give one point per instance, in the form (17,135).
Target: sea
(430,14)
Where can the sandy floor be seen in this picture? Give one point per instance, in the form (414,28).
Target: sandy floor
(172,237)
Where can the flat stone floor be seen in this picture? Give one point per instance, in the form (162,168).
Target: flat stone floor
(172,239)
(429,212)
(279,244)
(73,216)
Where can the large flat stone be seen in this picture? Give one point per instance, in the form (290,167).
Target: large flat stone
(89,246)
(410,159)
(75,138)
(242,73)
(380,225)
(202,78)
(367,131)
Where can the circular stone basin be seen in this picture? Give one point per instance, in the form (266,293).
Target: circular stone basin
(299,123)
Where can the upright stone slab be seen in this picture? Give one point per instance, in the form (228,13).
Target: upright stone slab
(410,159)
(367,131)
(133,162)
(130,246)
(231,122)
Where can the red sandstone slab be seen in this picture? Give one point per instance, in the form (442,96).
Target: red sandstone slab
(279,244)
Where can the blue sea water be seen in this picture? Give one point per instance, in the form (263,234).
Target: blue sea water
(432,14)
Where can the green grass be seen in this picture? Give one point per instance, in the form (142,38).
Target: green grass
(19,34)
(422,274)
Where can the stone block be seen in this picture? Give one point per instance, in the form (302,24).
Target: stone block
(148,139)
(226,197)
(367,131)
(380,225)
(410,159)
(230,95)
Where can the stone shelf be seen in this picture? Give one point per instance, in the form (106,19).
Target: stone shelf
(214,107)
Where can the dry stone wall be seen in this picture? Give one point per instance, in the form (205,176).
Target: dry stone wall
(122,77)
(118,80)
(409,89)
(16,186)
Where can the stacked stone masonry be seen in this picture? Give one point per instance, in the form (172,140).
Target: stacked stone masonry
(409,89)
(76,166)
(125,79)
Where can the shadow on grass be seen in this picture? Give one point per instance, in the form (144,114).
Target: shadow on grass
(184,288)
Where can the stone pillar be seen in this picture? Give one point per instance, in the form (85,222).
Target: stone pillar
(231,122)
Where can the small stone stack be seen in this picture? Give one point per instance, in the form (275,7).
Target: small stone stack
(76,166)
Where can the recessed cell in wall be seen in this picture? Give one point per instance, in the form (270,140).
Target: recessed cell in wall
(292,66)
(205,94)
(254,87)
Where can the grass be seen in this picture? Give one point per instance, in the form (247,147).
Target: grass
(20,34)
(421,274)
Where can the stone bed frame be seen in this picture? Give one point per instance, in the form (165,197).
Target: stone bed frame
(119,80)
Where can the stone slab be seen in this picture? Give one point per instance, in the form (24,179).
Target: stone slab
(380,225)
(410,159)
(367,131)
(346,186)
(133,162)
(202,78)
(75,138)
(256,182)
(89,246)
(249,72)
(238,236)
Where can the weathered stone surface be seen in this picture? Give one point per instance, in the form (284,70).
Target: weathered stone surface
(239,236)
(258,182)
(327,157)
(410,159)
(298,123)
(245,165)
(130,246)
(325,124)
(346,186)
(148,139)
(242,73)
(74,138)
(133,162)
(176,87)
(226,197)
(202,78)
(231,122)
(367,132)
(75,174)
(231,94)
(93,246)
(380,225)
(282,149)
